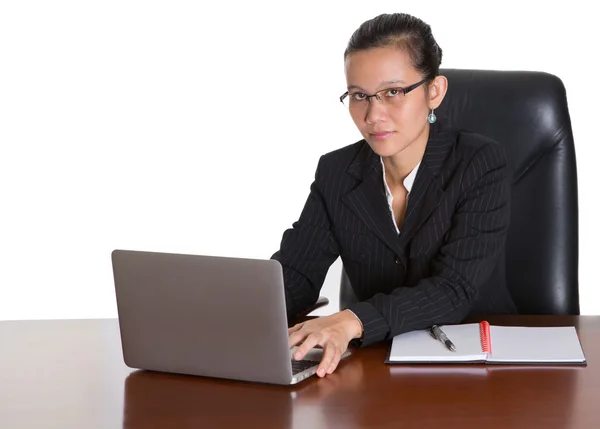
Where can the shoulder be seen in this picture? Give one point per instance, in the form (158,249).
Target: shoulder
(451,151)
(474,146)
(340,160)
(482,159)
(345,155)
(467,157)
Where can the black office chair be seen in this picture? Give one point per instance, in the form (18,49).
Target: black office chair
(528,113)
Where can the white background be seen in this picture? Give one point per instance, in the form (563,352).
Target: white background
(195,127)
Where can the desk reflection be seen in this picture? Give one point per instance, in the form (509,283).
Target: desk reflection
(157,400)
(490,396)
(366,393)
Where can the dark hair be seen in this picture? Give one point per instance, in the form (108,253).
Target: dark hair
(405,32)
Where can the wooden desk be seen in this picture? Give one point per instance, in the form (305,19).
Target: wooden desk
(70,374)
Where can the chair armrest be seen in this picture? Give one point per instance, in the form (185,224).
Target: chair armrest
(321,302)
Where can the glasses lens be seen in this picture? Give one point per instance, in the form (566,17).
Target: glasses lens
(346,101)
(392,97)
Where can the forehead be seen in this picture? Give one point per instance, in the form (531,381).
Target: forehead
(370,68)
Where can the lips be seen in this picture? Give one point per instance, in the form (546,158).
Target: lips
(381,135)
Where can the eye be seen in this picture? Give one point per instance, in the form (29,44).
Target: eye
(393,92)
(358,96)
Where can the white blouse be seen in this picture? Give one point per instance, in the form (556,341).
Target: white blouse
(408,183)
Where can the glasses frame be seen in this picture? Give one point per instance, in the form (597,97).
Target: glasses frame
(376,95)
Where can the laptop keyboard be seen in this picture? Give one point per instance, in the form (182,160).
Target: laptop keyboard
(301,365)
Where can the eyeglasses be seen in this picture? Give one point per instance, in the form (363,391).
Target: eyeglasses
(393,97)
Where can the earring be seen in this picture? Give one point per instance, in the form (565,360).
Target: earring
(431,117)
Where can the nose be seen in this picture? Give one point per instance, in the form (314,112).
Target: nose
(375,112)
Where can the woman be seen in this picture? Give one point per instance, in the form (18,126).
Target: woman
(418,212)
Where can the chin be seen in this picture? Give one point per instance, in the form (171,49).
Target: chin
(384,148)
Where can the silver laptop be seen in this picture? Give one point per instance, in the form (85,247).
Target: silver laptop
(206,316)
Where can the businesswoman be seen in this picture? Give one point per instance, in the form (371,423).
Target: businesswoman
(417,211)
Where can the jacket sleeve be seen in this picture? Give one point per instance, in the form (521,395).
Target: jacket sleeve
(307,251)
(463,263)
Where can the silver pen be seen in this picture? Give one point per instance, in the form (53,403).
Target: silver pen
(438,334)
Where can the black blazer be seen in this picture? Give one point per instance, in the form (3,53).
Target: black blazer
(447,262)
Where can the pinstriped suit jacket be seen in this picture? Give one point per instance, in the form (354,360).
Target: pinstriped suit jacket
(446,263)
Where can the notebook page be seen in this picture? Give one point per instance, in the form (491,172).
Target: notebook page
(420,346)
(535,345)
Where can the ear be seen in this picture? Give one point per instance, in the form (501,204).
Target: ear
(437,91)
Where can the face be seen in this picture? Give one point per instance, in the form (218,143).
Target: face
(389,128)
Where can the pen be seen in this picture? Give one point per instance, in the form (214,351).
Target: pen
(438,334)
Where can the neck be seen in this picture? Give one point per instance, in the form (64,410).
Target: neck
(399,165)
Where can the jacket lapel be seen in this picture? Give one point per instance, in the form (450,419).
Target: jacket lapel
(368,201)
(423,199)
(427,191)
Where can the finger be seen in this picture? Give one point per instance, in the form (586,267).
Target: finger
(309,342)
(326,360)
(335,361)
(295,328)
(297,337)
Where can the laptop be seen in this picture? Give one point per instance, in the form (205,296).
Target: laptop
(206,316)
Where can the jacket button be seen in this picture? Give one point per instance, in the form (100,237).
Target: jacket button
(397,260)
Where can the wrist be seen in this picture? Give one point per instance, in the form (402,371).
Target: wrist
(358,328)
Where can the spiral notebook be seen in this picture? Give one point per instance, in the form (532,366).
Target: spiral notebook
(485,343)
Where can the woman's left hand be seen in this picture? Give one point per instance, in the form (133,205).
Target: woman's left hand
(331,333)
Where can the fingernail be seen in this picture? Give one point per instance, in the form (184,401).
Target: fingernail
(297,355)
(321,372)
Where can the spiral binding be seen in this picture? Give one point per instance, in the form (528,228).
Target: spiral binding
(485,337)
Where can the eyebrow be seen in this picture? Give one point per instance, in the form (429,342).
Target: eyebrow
(385,83)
